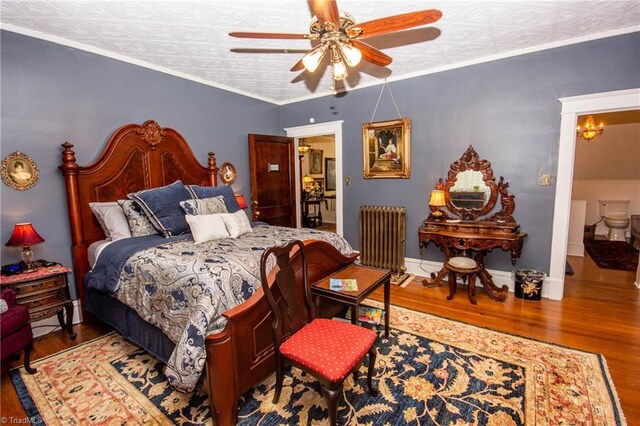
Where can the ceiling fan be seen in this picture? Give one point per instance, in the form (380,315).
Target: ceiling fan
(339,35)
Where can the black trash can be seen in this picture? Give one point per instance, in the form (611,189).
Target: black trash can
(528,283)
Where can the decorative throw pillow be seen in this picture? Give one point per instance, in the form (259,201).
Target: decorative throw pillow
(112,220)
(214,191)
(162,207)
(207,227)
(139,223)
(204,206)
(237,223)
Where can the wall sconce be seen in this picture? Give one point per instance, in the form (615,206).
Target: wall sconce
(437,201)
(241,201)
(24,235)
(590,131)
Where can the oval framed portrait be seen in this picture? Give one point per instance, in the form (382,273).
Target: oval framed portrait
(227,173)
(19,171)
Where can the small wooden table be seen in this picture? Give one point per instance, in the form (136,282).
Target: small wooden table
(45,292)
(368,279)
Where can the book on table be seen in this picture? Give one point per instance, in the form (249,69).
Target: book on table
(348,284)
(368,314)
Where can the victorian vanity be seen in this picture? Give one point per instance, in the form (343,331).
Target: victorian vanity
(468,229)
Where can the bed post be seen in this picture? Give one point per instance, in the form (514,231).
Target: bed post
(70,169)
(213,169)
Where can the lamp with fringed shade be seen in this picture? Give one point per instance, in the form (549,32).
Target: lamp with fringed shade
(241,201)
(24,235)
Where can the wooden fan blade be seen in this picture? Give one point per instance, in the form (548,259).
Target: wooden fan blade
(269,35)
(325,11)
(371,54)
(394,23)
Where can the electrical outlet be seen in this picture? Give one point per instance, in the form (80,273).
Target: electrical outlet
(545,179)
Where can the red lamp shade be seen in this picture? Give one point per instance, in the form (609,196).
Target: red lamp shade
(24,235)
(241,201)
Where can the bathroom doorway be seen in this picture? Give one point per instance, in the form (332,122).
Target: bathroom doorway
(572,107)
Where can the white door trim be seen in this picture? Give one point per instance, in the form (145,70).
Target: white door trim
(334,128)
(572,107)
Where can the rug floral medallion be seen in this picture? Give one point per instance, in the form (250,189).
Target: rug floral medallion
(431,371)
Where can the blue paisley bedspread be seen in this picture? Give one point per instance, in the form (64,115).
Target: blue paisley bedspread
(183,288)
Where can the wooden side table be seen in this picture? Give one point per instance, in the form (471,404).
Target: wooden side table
(45,292)
(368,279)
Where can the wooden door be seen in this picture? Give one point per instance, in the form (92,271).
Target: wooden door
(272,167)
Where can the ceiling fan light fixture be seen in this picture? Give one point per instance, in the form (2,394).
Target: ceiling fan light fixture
(350,54)
(339,71)
(312,59)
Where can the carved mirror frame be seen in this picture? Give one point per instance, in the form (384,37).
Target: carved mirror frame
(471,161)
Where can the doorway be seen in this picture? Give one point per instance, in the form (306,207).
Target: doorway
(317,163)
(318,136)
(572,107)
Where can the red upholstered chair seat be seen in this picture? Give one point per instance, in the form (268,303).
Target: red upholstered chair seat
(330,349)
(17,316)
(15,329)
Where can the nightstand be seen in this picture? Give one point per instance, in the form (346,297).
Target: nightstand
(45,292)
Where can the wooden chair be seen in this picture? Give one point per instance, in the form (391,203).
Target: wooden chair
(327,350)
(15,330)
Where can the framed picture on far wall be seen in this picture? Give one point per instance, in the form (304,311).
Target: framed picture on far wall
(315,164)
(386,149)
(330,174)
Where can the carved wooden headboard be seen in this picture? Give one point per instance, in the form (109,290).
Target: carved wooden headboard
(136,157)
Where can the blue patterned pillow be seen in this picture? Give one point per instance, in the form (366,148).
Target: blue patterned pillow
(139,223)
(162,207)
(214,191)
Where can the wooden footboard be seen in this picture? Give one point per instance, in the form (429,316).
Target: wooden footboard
(241,355)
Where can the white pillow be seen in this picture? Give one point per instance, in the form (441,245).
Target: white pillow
(237,223)
(112,220)
(207,227)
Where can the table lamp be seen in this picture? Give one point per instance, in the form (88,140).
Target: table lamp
(24,235)
(437,201)
(241,201)
(307,183)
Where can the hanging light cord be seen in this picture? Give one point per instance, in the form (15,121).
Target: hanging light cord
(380,97)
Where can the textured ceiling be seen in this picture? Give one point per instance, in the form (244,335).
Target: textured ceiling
(190,38)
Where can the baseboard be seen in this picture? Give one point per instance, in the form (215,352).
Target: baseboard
(423,268)
(575,249)
(47,325)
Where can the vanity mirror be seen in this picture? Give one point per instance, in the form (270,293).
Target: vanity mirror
(470,229)
(471,191)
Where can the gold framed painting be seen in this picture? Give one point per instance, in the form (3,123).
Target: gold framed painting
(227,173)
(19,171)
(386,149)
(315,165)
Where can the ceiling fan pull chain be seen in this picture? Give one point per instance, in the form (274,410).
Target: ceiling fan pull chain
(380,96)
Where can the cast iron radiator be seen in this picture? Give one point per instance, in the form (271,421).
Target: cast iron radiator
(382,239)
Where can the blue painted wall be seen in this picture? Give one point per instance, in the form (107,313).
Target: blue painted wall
(52,94)
(507,109)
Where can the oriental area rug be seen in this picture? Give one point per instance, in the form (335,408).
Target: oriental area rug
(432,371)
(612,254)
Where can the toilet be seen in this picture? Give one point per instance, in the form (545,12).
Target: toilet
(616,217)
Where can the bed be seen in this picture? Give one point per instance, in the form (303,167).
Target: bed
(238,355)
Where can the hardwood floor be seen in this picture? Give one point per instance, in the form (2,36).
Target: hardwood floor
(599,313)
